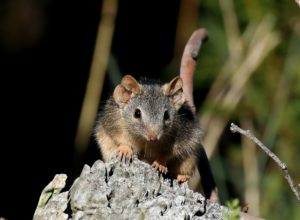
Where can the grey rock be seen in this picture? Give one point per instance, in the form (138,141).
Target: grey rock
(119,190)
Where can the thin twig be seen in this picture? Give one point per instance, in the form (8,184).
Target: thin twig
(234,128)
(250,165)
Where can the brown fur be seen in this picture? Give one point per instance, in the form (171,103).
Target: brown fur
(177,137)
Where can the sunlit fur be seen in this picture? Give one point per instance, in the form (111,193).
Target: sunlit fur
(179,137)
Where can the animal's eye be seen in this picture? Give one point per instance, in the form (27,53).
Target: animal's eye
(166,115)
(137,113)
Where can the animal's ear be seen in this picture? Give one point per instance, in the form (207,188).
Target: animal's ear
(128,88)
(174,90)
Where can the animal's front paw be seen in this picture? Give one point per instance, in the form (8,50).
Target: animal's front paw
(124,152)
(160,166)
(183,178)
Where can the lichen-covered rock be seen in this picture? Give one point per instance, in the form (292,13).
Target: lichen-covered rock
(52,203)
(119,190)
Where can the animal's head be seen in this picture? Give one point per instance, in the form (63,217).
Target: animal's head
(149,109)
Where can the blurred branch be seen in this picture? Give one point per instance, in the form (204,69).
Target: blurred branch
(96,77)
(187,22)
(250,165)
(298,2)
(281,96)
(229,86)
(235,45)
(234,128)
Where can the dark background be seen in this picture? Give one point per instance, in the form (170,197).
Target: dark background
(43,83)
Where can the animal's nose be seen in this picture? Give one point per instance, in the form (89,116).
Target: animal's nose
(152,136)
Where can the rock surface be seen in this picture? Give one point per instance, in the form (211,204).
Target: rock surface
(118,190)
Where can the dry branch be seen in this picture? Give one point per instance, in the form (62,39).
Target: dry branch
(96,76)
(234,128)
(250,165)
(188,63)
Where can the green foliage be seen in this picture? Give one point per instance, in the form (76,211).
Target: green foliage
(235,209)
(271,102)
